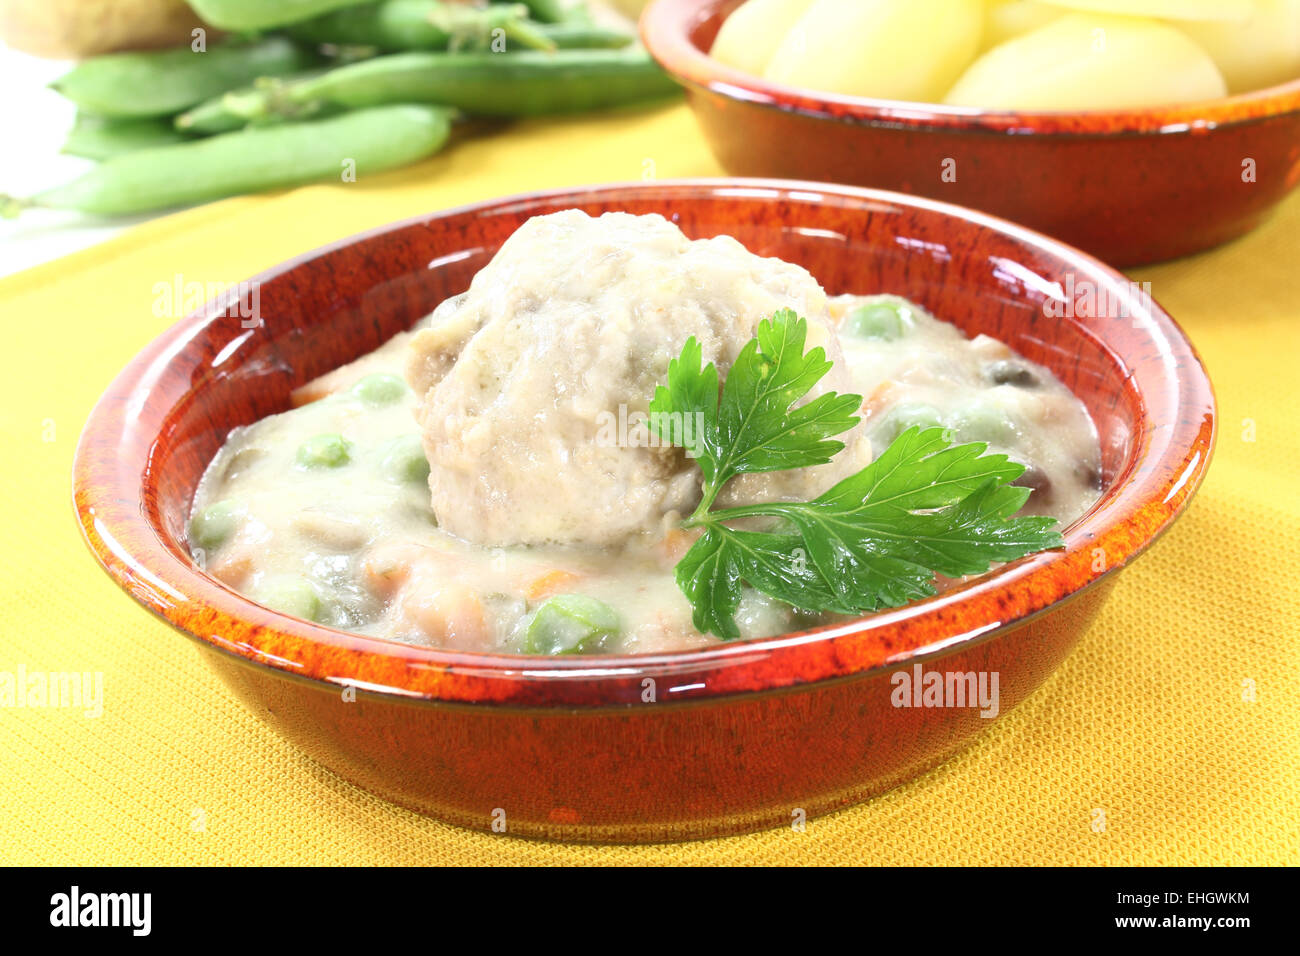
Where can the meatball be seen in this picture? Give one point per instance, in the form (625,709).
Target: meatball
(533,386)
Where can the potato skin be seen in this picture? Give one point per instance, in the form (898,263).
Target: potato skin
(891,49)
(71,29)
(1218,10)
(1007,19)
(1091,62)
(1255,53)
(751,35)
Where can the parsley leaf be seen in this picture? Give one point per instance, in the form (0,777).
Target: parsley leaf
(685,411)
(754,425)
(876,539)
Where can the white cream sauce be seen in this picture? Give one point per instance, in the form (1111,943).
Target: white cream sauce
(324,511)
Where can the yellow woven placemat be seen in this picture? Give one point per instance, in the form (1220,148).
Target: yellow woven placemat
(1148,723)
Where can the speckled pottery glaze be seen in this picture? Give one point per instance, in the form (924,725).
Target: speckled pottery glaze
(650,747)
(1130,187)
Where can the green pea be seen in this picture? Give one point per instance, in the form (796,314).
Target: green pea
(379,389)
(907,415)
(571,624)
(292,595)
(982,421)
(404,459)
(213,525)
(325,451)
(761,616)
(876,320)
(1011,372)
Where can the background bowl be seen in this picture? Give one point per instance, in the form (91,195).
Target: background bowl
(1131,186)
(646,747)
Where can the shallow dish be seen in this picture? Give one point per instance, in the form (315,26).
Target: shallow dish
(648,747)
(1130,187)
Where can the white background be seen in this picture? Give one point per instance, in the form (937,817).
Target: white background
(35,121)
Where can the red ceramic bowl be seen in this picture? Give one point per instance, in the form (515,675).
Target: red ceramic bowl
(1130,187)
(648,747)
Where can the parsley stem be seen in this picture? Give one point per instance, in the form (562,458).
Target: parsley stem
(771,509)
(701,516)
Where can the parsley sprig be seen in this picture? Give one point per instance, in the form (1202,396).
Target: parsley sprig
(876,539)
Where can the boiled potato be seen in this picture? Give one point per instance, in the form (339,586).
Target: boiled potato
(1091,62)
(1010,18)
(629,8)
(1261,51)
(68,29)
(1171,9)
(752,33)
(892,49)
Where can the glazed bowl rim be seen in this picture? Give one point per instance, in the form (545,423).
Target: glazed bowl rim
(664,30)
(109,495)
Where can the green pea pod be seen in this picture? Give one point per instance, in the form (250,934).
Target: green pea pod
(227,113)
(250,160)
(490,84)
(97,137)
(577,11)
(424,25)
(163,82)
(263,14)
(236,109)
(548,11)
(213,116)
(582,36)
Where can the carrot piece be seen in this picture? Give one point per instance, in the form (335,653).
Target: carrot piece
(549,583)
(313,391)
(388,566)
(676,542)
(880,395)
(452,618)
(234,567)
